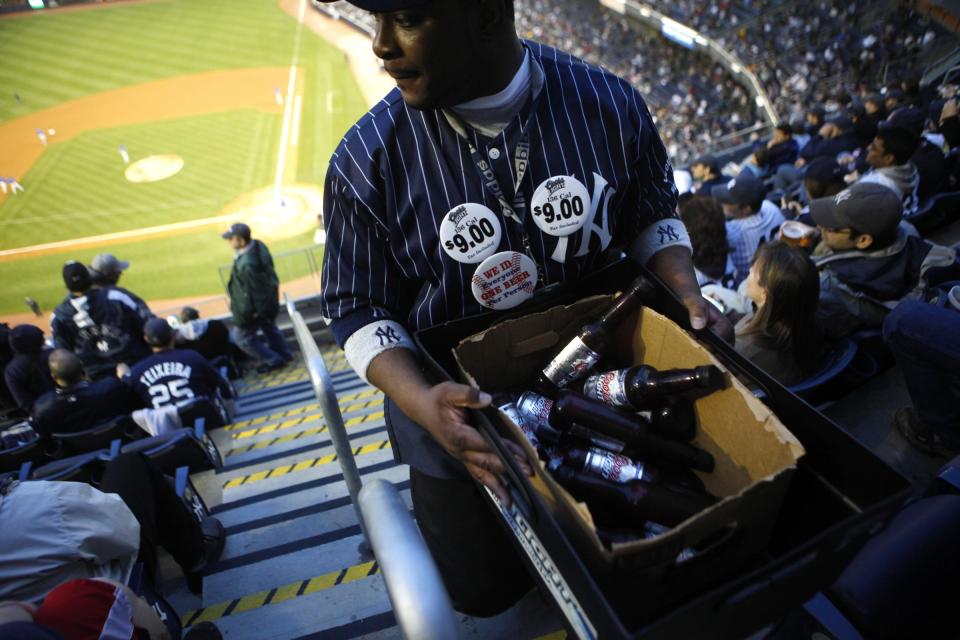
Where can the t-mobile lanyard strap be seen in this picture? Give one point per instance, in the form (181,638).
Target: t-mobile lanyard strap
(516,210)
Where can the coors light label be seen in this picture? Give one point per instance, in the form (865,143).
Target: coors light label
(609,388)
(612,466)
(511,411)
(571,364)
(535,408)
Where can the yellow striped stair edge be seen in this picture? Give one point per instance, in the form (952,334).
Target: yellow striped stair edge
(556,635)
(281,594)
(344,401)
(297,421)
(263,444)
(302,466)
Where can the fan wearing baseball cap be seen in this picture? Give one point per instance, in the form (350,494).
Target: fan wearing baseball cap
(494,134)
(751,218)
(867,261)
(106,269)
(102,326)
(171,376)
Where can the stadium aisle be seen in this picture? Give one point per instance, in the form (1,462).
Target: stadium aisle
(292,566)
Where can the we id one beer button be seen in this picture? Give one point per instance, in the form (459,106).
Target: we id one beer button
(559,204)
(504,280)
(470,233)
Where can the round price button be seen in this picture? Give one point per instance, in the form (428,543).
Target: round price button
(470,233)
(559,205)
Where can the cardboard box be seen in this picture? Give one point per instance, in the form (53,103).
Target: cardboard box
(755,457)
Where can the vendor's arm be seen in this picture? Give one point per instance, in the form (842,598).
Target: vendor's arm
(441,410)
(674,266)
(657,236)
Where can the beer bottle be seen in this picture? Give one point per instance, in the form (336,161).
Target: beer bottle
(570,408)
(637,500)
(584,351)
(641,387)
(610,466)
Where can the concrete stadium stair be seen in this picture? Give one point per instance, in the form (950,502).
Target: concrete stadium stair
(292,566)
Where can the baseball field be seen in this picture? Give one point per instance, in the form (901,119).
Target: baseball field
(144,128)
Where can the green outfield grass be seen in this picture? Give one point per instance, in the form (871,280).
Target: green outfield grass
(160,267)
(77,187)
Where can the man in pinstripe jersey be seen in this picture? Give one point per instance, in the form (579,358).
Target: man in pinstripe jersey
(496,167)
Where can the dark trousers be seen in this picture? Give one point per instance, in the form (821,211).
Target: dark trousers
(270,347)
(164,519)
(479,564)
(925,339)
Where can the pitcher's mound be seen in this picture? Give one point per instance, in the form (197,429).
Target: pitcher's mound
(274,214)
(154,168)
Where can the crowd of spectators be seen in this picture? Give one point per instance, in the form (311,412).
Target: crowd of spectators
(68,552)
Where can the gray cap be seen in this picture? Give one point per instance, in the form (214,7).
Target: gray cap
(107,264)
(746,188)
(867,207)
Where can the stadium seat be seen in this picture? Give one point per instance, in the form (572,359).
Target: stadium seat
(818,388)
(901,584)
(122,428)
(211,411)
(141,586)
(187,447)
(86,467)
(11,459)
(939,210)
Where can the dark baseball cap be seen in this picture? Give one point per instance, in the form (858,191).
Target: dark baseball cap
(76,276)
(840,120)
(746,188)
(384,5)
(157,332)
(867,207)
(236,229)
(824,169)
(910,119)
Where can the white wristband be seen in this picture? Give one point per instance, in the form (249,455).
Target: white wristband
(371,340)
(668,232)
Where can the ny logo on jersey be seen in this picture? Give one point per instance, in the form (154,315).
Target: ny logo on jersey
(666,233)
(590,226)
(387,336)
(103,345)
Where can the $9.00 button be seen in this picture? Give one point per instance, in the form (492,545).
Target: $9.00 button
(470,233)
(559,205)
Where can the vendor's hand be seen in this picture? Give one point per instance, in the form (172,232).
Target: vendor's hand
(949,110)
(442,413)
(704,315)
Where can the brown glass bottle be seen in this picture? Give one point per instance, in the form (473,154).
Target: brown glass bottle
(583,352)
(643,386)
(638,501)
(571,408)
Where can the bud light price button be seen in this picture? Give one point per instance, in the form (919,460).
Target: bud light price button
(470,233)
(505,280)
(559,205)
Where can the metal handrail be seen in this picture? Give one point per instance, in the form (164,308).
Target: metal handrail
(420,601)
(324,391)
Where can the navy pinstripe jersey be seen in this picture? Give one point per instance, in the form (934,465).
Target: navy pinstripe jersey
(398,171)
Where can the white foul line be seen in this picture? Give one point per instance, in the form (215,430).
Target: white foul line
(329,101)
(295,135)
(288,104)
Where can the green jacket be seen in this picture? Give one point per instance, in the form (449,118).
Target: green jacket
(253,286)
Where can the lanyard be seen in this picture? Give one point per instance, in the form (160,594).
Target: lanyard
(516,210)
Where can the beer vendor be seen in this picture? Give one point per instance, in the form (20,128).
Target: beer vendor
(496,167)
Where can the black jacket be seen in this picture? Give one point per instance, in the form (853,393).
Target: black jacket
(84,405)
(102,327)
